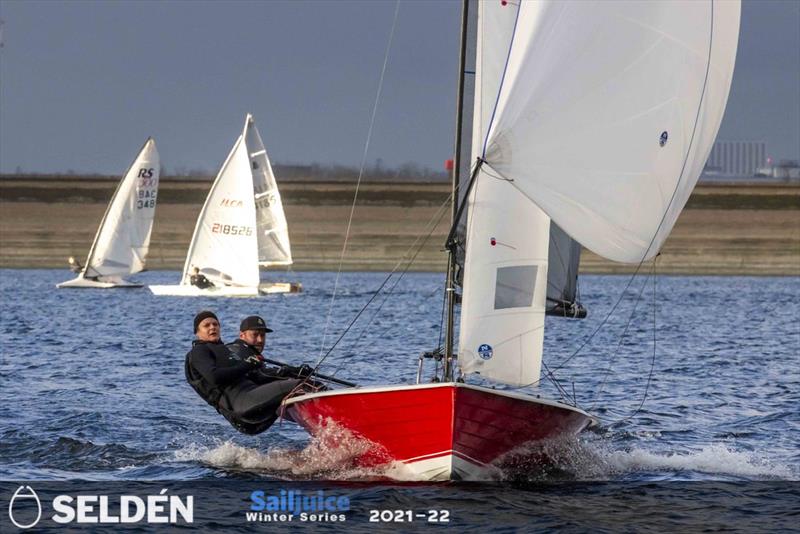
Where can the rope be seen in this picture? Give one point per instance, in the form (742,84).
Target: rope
(360,175)
(619,345)
(653,360)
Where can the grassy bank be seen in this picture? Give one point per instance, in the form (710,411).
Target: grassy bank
(724,230)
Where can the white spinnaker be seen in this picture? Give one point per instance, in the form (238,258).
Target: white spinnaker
(505,271)
(273,232)
(224,244)
(608,112)
(121,244)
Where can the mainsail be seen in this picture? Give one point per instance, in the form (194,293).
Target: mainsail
(122,241)
(224,246)
(564,258)
(503,306)
(272,230)
(600,115)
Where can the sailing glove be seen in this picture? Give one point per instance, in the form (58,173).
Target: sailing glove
(305,371)
(300,372)
(253,361)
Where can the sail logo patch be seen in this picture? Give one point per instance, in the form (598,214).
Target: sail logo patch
(485,351)
(231,203)
(663,139)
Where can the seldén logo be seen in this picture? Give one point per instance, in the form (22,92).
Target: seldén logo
(100,509)
(22,498)
(294,504)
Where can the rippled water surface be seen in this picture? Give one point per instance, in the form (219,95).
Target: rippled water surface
(93,387)
(93,382)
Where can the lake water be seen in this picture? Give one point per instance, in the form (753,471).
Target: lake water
(92,387)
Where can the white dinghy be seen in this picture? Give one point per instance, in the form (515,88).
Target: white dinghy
(241,227)
(122,241)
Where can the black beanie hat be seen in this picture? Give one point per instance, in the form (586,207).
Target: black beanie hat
(205,314)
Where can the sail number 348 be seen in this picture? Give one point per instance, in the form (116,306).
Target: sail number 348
(231,229)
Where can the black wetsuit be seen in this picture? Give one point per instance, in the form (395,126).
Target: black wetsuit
(200,281)
(247,395)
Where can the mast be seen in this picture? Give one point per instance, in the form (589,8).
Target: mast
(450,287)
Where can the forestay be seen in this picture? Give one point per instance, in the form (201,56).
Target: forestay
(608,111)
(224,245)
(271,228)
(122,241)
(505,275)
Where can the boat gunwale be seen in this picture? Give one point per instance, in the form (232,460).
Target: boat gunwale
(389,388)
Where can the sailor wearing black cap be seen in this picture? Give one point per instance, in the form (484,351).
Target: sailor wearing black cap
(232,378)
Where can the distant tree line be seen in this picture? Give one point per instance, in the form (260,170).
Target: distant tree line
(407,172)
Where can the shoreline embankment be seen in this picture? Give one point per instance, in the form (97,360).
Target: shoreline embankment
(724,230)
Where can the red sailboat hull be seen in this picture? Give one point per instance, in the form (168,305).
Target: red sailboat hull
(438,431)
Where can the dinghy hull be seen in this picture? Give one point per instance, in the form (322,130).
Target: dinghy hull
(226,291)
(438,431)
(109,283)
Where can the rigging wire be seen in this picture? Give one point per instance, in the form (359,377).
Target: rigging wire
(358,181)
(385,281)
(652,361)
(619,344)
(433,223)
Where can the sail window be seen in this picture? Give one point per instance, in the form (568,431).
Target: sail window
(514,287)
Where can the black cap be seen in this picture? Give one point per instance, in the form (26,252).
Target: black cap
(205,314)
(254,322)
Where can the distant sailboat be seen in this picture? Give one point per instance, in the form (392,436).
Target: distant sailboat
(122,241)
(595,116)
(241,227)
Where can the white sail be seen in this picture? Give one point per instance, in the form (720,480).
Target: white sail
(224,246)
(607,113)
(505,271)
(121,244)
(562,272)
(272,230)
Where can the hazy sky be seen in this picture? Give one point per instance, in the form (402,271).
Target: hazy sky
(83,83)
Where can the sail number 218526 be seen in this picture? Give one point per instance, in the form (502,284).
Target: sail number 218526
(231,229)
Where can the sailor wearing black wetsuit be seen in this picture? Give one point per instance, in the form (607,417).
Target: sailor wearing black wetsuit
(232,378)
(200,280)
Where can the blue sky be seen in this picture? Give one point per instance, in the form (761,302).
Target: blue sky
(83,83)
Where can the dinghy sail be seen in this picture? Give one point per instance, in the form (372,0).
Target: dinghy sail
(241,226)
(121,244)
(591,124)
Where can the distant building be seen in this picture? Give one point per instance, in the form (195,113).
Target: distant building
(786,170)
(736,158)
